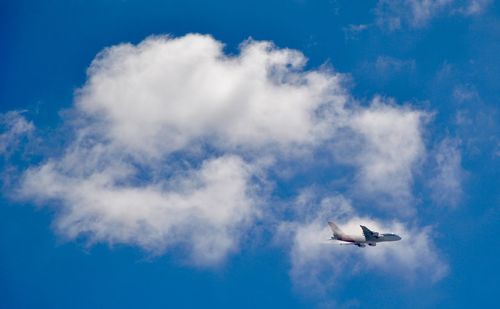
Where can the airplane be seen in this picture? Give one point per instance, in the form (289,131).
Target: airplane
(369,237)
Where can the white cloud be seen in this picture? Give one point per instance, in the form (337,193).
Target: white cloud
(204,210)
(164,94)
(320,265)
(446,184)
(393,144)
(385,143)
(168,94)
(171,135)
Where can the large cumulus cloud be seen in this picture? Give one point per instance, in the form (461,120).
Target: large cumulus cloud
(165,94)
(172,140)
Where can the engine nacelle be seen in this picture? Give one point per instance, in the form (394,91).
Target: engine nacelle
(372,244)
(375,234)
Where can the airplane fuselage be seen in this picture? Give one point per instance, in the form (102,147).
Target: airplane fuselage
(369,237)
(361,241)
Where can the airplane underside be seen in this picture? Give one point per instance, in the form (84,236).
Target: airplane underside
(362,245)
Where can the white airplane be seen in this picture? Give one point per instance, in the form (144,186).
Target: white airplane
(369,237)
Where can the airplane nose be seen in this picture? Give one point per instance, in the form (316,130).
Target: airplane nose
(398,237)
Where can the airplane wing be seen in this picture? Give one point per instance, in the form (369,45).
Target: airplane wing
(369,235)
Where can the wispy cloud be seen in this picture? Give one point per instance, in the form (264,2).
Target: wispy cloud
(472,7)
(389,65)
(446,184)
(393,14)
(13,127)
(353,31)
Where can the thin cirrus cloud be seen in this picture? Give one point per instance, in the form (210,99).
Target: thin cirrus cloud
(13,128)
(167,150)
(393,14)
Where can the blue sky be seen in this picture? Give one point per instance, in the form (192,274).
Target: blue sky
(186,153)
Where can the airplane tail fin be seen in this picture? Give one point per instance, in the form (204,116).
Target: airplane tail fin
(335,229)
